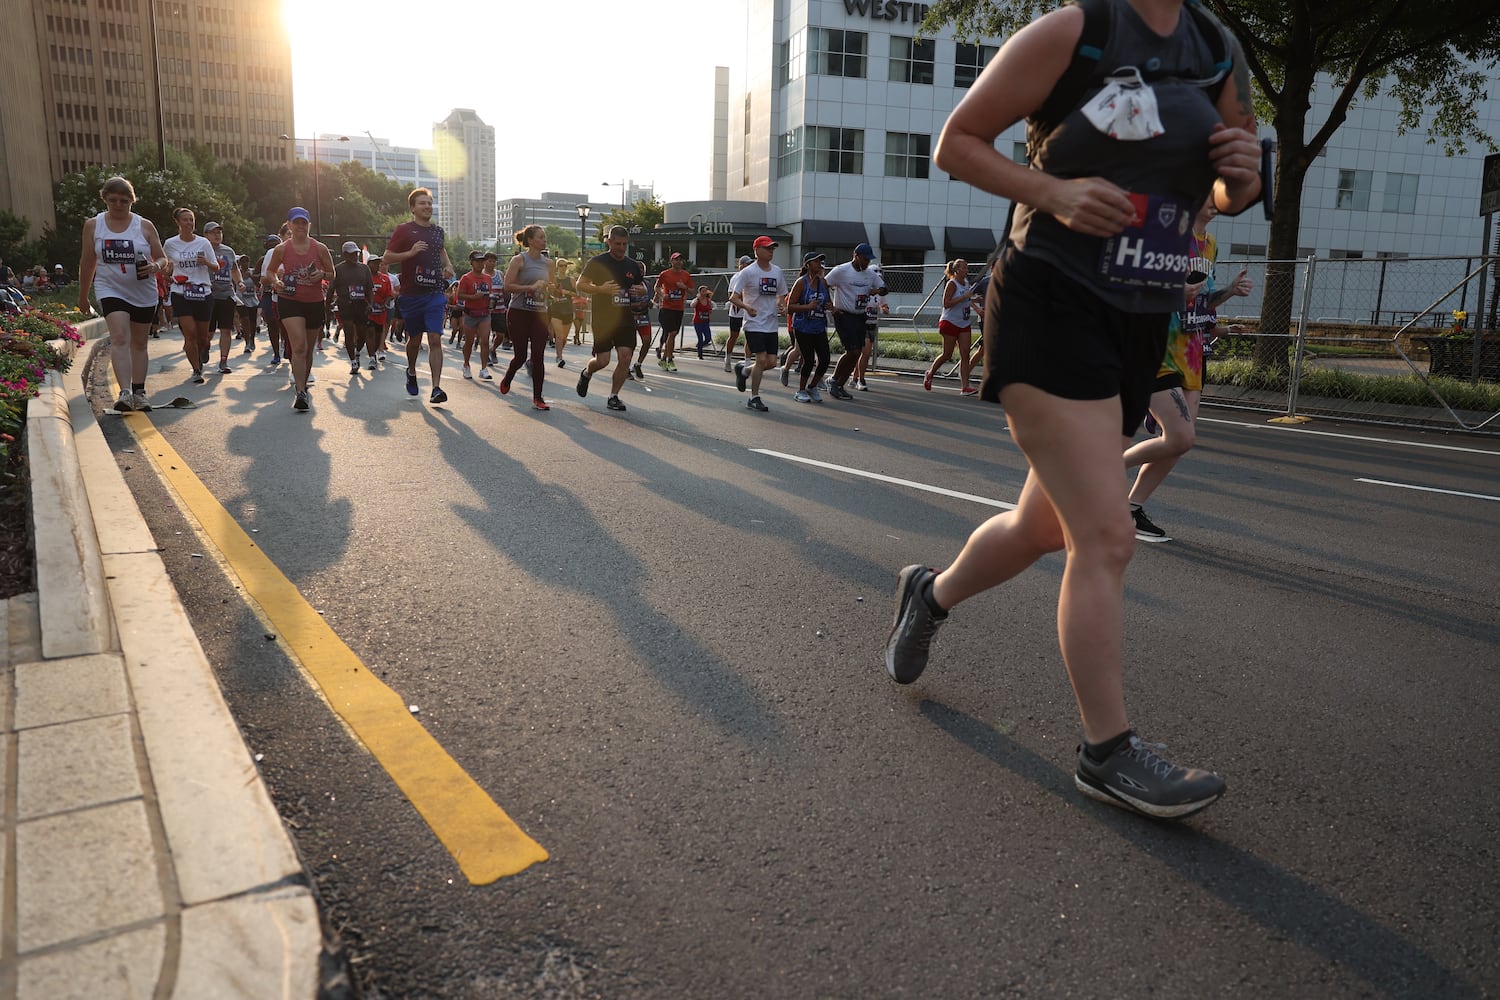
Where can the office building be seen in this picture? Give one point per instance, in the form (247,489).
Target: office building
(406,165)
(464,149)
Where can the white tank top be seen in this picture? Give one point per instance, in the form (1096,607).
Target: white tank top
(958,314)
(117,254)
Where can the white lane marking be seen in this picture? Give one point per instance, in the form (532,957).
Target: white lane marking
(1348,437)
(1428,489)
(887,479)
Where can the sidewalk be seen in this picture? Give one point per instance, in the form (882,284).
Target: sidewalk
(142,855)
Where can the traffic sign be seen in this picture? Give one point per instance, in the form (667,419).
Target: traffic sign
(1489,185)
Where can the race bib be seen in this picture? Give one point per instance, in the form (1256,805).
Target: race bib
(120,252)
(535,301)
(195,292)
(1154,250)
(620,300)
(289,284)
(356,293)
(862,302)
(769,286)
(675,295)
(427,277)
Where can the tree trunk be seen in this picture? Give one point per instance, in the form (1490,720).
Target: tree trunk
(1279,300)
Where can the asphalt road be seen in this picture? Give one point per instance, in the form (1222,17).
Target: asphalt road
(657,649)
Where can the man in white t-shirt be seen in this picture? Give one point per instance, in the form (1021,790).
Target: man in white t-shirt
(852,283)
(760,290)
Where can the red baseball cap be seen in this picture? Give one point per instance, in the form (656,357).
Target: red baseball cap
(764,241)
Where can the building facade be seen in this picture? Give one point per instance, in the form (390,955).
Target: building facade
(406,165)
(115,75)
(835,106)
(465,162)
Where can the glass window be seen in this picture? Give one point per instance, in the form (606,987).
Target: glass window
(789,152)
(1018,152)
(791,59)
(835,52)
(969,61)
(912,59)
(1401,193)
(907,154)
(835,150)
(1353,190)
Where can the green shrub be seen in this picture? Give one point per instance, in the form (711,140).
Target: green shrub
(1333,383)
(26,353)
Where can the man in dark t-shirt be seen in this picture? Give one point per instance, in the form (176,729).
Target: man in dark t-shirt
(612,280)
(351,290)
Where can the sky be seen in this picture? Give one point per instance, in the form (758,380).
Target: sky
(554,77)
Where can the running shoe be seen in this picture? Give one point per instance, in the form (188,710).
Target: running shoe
(198,378)
(225,369)
(663,365)
(728,365)
(354,368)
(540,404)
(755,404)
(861,385)
(583,384)
(671,365)
(1137,777)
(372,366)
(614,404)
(411,383)
(927,381)
(438,395)
(839,392)
(300,401)
(310,378)
(914,625)
(139,401)
(803,396)
(275,360)
(636,373)
(1146,529)
(380,357)
(485,374)
(562,363)
(468,374)
(739,376)
(816,394)
(126,402)
(786,375)
(970,391)
(203,356)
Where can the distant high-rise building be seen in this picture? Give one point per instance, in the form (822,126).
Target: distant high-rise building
(464,148)
(106,78)
(718,165)
(406,165)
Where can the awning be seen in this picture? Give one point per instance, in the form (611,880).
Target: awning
(894,237)
(827,233)
(972,244)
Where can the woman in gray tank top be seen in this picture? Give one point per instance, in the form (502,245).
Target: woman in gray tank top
(1076,321)
(527,279)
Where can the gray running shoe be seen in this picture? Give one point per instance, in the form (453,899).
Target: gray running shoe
(913,627)
(802,397)
(140,402)
(126,402)
(786,375)
(1137,778)
(817,396)
(755,404)
(614,403)
(438,395)
(300,401)
(839,392)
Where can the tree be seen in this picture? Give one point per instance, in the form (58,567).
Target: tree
(561,242)
(643,216)
(16,250)
(1431,56)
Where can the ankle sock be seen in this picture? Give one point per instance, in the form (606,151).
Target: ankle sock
(137,387)
(1099,752)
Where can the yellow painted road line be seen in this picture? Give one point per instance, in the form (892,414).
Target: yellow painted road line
(486,843)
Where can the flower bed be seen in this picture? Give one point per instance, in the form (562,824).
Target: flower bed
(31,343)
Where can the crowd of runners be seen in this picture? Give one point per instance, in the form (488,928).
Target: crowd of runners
(1098,305)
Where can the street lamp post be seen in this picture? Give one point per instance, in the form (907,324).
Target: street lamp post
(317,227)
(621,186)
(583,218)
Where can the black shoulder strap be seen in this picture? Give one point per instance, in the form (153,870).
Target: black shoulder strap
(1074,82)
(1213,33)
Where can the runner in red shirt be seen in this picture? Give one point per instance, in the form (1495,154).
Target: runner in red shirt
(674,287)
(474,297)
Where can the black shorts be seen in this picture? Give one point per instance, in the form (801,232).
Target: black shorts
(354,314)
(498,323)
(763,342)
(198,309)
(560,309)
(138,314)
(851,330)
(671,320)
(1049,331)
(314,314)
(735,322)
(621,337)
(222,317)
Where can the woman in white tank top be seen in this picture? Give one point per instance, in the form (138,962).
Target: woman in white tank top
(956,326)
(121,257)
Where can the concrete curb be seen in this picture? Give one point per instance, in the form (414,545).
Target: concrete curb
(243,922)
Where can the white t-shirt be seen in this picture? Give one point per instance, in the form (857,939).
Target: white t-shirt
(852,289)
(184,256)
(760,289)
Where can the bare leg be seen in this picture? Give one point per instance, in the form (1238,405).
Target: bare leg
(1177,412)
